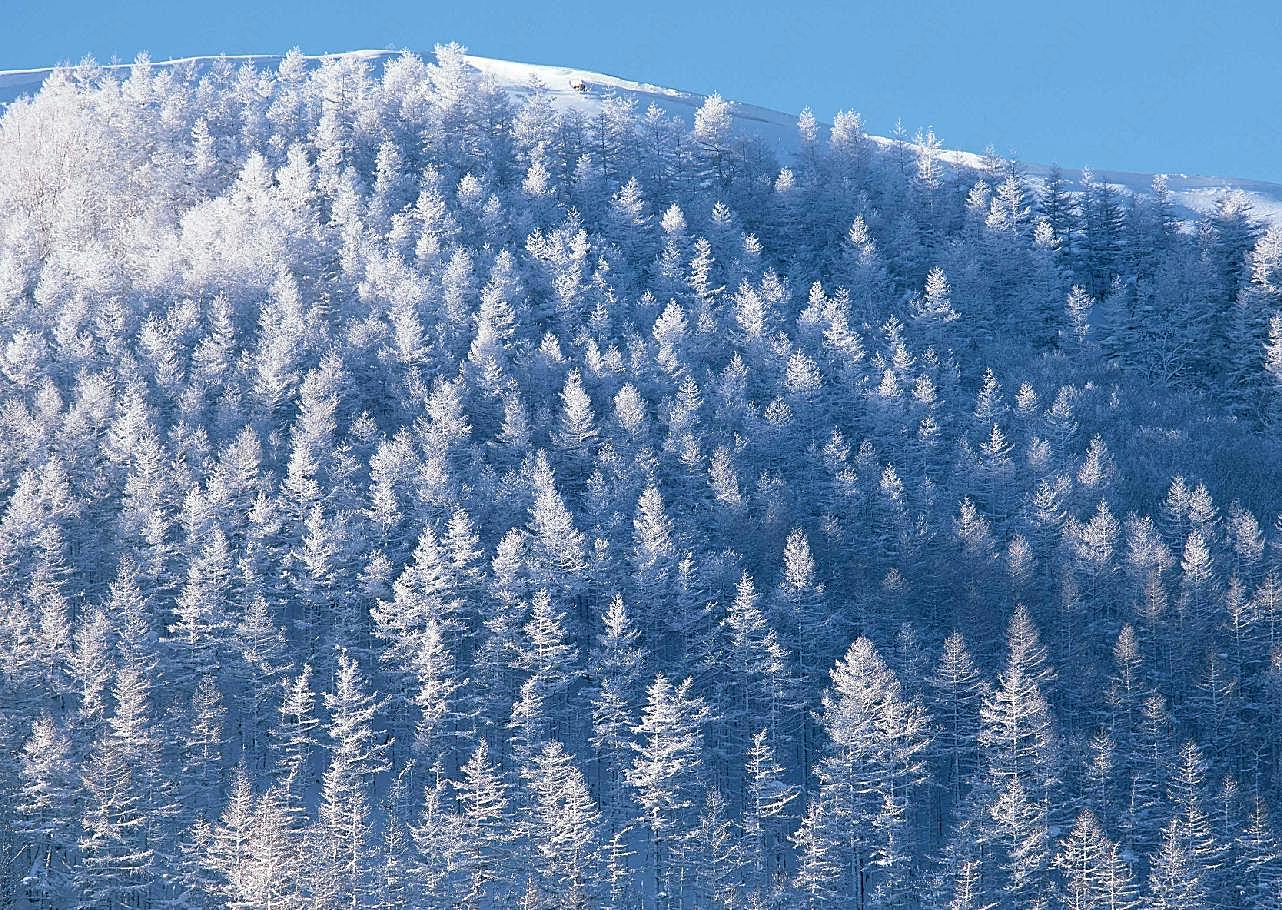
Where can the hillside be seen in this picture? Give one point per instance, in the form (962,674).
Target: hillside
(427,485)
(1193,194)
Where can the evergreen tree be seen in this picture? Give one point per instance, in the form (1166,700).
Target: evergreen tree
(123,813)
(766,805)
(487,409)
(957,687)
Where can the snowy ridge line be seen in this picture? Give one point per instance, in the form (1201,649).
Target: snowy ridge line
(1193,194)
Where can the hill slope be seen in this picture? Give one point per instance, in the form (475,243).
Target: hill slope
(416,493)
(1195,195)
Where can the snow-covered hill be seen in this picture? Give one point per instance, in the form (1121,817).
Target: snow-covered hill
(413,499)
(1194,194)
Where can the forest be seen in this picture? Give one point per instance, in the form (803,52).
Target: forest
(417,495)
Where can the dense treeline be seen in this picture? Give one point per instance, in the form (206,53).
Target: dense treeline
(417,495)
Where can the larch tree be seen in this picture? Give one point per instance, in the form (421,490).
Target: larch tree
(872,762)
(382,437)
(565,830)
(344,829)
(1095,876)
(614,699)
(666,771)
(47,807)
(484,829)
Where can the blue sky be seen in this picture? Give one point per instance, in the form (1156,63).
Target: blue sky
(1177,85)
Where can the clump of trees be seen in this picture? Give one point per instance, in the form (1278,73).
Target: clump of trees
(415,494)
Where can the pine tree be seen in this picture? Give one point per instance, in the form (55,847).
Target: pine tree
(395,876)
(92,665)
(819,865)
(550,662)
(1079,307)
(934,308)
(441,699)
(438,851)
(558,550)
(1017,826)
(712,133)
(264,663)
(202,620)
(117,839)
(1191,837)
(294,736)
(766,807)
(1177,879)
(1016,728)
(1103,220)
(1250,332)
(232,839)
(756,663)
(803,617)
(716,859)
(420,595)
(1019,747)
(577,429)
(957,688)
(276,866)
(654,554)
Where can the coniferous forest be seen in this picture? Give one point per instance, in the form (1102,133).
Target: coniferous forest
(417,495)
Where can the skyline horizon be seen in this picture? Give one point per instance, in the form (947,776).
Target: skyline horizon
(1152,87)
(378,53)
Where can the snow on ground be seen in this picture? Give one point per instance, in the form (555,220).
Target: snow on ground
(1193,194)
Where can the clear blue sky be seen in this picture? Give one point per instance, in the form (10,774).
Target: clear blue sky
(1189,86)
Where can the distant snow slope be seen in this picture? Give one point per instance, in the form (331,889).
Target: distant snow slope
(1193,194)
